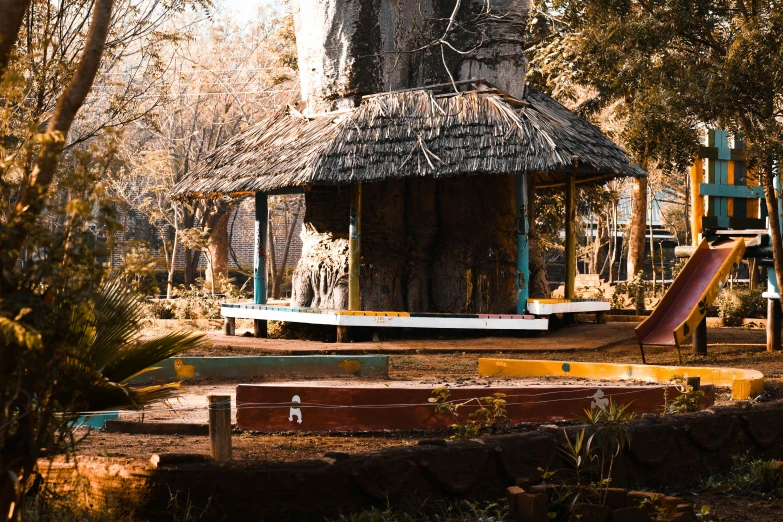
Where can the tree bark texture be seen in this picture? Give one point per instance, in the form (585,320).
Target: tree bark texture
(10,23)
(443,246)
(637,228)
(217,247)
(427,245)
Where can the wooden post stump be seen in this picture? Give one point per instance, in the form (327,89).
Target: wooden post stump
(700,338)
(773,324)
(220,427)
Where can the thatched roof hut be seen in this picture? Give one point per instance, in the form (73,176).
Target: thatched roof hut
(426,132)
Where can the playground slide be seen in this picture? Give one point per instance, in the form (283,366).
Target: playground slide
(685,303)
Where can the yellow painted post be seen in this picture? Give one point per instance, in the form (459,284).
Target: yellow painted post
(697,201)
(570,237)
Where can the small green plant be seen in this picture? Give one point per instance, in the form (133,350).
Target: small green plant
(488,416)
(748,476)
(687,401)
(591,458)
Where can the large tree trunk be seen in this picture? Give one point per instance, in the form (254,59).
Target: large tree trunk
(217,251)
(421,222)
(474,260)
(637,228)
(10,23)
(442,246)
(320,279)
(383,245)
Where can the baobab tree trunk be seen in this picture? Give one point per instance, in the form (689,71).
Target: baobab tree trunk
(421,222)
(217,247)
(474,260)
(637,228)
(445,246)
(320,279)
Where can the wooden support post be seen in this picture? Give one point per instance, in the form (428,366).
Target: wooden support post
(220,426)
(355,249)
(700,338)
(354,258)
(523,253)
(570,236)
(697,201)
(694,383)
(259,259)
(229,326)
(773,324)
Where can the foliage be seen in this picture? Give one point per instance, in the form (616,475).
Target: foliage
(662,65)
(457,511)
(689,400)
(195,302)
(748,476)
(489,415)
(631,293)
(138,267)
(590,458)
(738,303)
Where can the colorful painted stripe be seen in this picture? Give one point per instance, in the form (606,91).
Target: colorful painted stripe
(744,384)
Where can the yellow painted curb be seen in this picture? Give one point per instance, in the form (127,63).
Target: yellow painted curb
(743,383)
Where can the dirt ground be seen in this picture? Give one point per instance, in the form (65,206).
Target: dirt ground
(453,360)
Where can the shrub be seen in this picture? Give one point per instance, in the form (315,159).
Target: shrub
(631,294)
(740,303)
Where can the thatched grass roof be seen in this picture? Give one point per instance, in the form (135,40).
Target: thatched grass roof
(423,132)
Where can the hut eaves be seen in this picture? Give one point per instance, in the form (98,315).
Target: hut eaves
(426,132)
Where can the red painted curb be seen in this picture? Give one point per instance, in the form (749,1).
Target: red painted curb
(379,407)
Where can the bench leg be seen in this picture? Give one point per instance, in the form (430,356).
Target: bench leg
(343,334)
(259,328)
(229,326)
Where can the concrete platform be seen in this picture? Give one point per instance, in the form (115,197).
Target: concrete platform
(384,319)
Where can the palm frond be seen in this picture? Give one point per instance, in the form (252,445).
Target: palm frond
(131,359)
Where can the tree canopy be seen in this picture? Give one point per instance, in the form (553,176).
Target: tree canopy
(672,67)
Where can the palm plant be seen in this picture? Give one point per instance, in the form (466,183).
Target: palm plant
(109,351)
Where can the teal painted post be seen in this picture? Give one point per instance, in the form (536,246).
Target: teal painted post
(523,264)
(259,260)
(259,257)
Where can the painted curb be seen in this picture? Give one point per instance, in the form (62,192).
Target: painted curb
(186,368)
(374,407)
(744,383)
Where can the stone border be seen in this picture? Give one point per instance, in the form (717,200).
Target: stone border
(289,366)
(665,452)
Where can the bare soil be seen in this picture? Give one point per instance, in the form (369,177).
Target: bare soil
(434,361)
